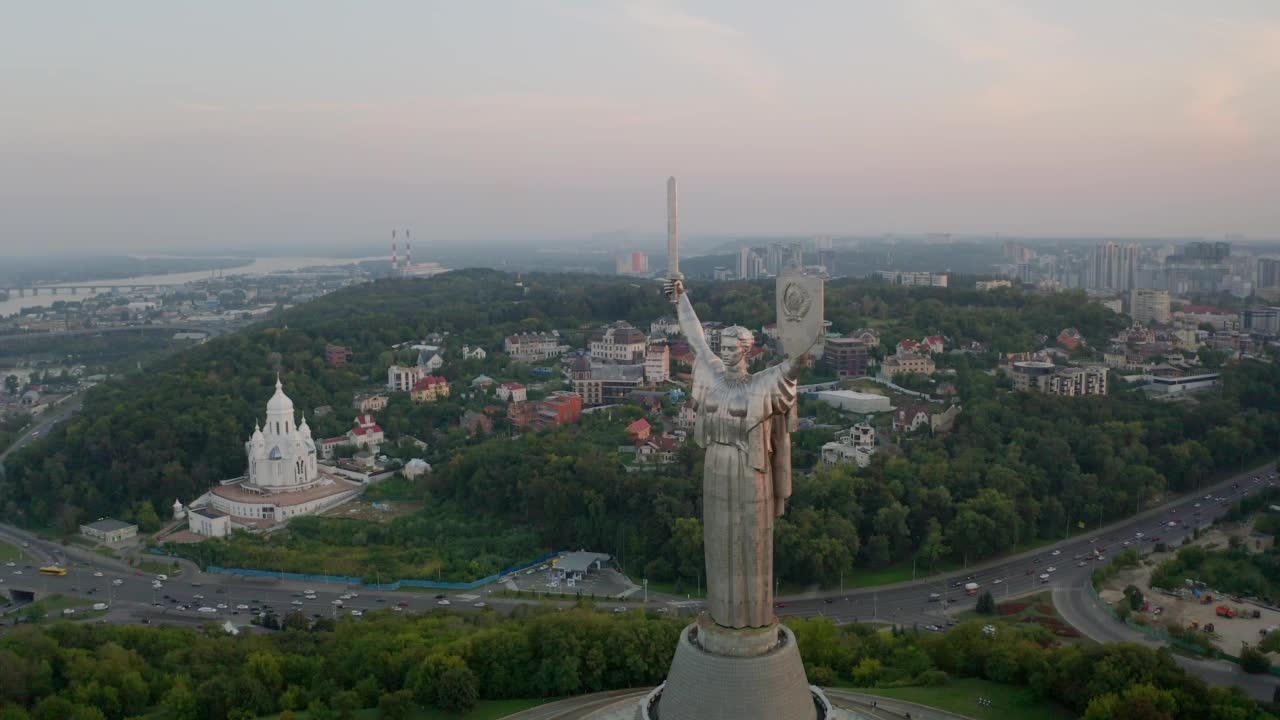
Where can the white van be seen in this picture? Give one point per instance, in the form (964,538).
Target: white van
(99,606)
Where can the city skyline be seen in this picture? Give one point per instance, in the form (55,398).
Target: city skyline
(161,127)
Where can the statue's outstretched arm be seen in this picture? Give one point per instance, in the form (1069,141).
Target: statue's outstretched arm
(692,328)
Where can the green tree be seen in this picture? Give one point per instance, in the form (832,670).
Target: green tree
(1134,596)
(396,705)
(318,710)
(986,604)
(345,703)
(146,517)
(457,690)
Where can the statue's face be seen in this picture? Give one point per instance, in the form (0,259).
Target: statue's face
(734,348)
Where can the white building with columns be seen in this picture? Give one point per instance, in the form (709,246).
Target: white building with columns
(283,479)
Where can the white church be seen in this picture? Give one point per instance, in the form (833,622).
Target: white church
(283,482)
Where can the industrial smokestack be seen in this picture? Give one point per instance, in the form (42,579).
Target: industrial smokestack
(673,233)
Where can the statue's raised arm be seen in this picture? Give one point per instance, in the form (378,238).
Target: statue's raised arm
(690,326)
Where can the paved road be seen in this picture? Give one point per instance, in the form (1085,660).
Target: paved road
(1077,606)
(910,603)
(95,576)
(43,424)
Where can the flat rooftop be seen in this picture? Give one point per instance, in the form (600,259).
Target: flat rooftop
(108,525)
(580,561)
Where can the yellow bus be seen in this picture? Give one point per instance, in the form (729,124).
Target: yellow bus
(53,570)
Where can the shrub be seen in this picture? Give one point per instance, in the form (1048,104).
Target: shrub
(1253,661)
(933,678)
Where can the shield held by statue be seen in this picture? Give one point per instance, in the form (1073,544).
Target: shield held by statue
(799,311)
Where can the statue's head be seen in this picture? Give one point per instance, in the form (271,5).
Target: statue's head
(735,343)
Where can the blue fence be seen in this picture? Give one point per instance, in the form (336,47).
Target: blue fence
(346,580)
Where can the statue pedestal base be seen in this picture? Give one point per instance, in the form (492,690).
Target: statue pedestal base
(729,674)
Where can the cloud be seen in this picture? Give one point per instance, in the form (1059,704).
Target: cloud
(720,50)
(1235,95)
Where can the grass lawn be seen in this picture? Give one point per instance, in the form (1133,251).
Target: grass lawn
(1008,702)
(57,603)
(11,553)
(157,567)
(1035,609)
(107,552)
(484,710)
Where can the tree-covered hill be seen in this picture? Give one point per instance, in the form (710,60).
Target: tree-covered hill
(170,431)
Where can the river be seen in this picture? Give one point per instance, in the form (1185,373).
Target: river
(260,266)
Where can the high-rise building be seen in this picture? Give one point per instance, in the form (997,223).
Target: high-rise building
(777,258)
(1268,273)
(1149,306)
(1206,252)
(795,258)
(1126,276)
(631,263)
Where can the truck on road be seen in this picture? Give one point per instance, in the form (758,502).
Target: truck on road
(971,588)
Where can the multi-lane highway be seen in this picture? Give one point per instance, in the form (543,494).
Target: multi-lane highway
(1066,563)
(1063,568)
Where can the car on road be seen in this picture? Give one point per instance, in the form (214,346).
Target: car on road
(933,628)
(619,609)
(1050,569)
(997,581)
(1056,553)
(1082,563)
(478,604)
(222,606)
(242,606)
(440,596)
(357,613)
(296,602)
(443,602)
(1101,558)
(403,604)
(780,605)
(17,572)
(198,596)
(934,597)
(1044,578)
(11,564)
(206,609)
(162,577)
(98,574)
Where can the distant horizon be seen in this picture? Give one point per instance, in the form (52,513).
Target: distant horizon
(693,244)
(153,125)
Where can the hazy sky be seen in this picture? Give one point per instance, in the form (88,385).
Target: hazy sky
(159,123)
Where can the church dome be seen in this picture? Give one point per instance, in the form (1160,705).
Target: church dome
(279,404)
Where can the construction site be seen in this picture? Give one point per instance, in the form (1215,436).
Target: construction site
(1231,623)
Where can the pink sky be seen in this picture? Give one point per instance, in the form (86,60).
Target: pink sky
(164,125)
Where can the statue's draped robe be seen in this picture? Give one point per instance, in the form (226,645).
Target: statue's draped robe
(745,424)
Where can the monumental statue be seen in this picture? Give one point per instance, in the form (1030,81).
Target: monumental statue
(737,662)
(744,421)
